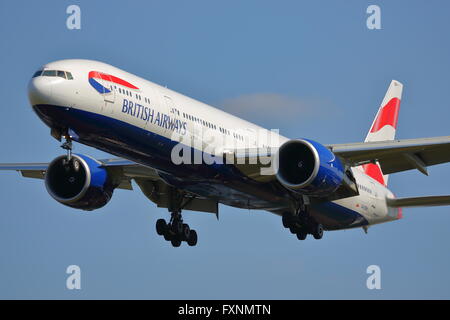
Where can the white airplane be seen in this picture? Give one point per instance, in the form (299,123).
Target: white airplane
(186,155)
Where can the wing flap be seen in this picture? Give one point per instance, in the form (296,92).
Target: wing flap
(35,174)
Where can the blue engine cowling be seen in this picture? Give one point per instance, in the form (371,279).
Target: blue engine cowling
(309,168)
(80,183)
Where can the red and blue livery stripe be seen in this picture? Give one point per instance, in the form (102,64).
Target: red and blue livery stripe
(94,76)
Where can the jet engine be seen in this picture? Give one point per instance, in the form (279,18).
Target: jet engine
(80,182)
(309,168)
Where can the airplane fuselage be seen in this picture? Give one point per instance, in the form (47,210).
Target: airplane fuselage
(130,117)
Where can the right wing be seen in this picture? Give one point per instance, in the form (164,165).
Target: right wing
(124,169)
(28,170)
(396,155)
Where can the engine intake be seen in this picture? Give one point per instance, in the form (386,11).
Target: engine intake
(309,168)
(80,183)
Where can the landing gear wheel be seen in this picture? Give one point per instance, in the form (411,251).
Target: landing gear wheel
(302,234)
(177,227)
(286,219)
(318,231)
(293,230)
(192,240)
(161,227)
(167,235)
(186,232)
(176,242)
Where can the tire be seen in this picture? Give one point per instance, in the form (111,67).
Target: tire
(161,227)
(186,232)
(167,236)
(177,227)
(318,231)
(192,240)
(293,230)
(286,219)
(302,234)
(176,243)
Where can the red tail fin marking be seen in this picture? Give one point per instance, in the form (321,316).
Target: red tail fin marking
(388,115)
(374,171)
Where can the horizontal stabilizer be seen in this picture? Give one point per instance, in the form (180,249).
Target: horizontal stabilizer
(428,201)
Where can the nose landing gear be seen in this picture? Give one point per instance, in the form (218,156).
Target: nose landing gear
(70,162)
(67,145)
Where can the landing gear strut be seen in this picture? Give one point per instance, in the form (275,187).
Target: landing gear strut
(67,145)
(176,231)
(70,161)
(302,224)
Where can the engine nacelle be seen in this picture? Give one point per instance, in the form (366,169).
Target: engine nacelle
(80,183)
(309,168)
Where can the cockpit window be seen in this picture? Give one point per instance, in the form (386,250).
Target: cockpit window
(49,73)
(37,73)
(54,73)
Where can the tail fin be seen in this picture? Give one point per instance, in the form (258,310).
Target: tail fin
(384,126)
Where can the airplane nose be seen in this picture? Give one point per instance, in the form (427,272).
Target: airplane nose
(39,90)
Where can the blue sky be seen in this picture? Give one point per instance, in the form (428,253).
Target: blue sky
(325,74)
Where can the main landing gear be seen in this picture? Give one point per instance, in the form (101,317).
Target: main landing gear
(176,231)
(302,224)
